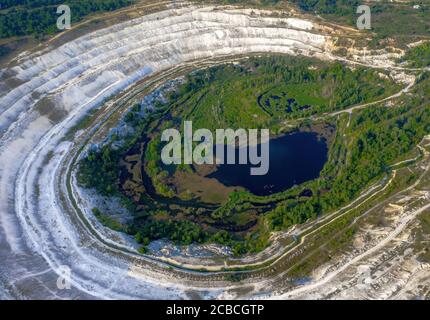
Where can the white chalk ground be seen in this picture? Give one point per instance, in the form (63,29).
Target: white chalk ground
(36,238)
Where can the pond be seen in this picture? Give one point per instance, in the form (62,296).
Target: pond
(293,159)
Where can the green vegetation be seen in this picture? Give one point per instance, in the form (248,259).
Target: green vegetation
(108,221)
(99,170)
(234,277)
(418,56)
(376,138)
(255,93)
(386,16)
(152,159)
(142,250)
(39,17)
(261,92)
(337,7)
(84,122)
(183,232)
(401,22)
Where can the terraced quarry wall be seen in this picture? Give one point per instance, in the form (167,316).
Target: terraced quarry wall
(43,94)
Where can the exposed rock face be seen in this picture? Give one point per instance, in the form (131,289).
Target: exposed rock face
(96,65)
(46,92)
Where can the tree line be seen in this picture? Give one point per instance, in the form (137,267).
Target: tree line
(39,17)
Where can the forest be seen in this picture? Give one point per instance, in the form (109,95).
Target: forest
(39,17)
(360,153)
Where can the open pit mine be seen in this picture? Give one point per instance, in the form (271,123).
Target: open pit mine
(106,90)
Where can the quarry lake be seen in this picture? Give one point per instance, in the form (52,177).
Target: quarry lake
(294,159)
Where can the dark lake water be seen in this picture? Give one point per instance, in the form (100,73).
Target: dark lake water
(293,158)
